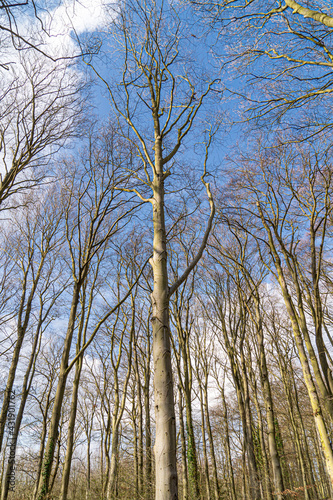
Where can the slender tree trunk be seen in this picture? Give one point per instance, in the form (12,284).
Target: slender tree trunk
(254,480)
(192,459)
(245,481)
(185,378)
(56,465)
(323,483)
(107,442)
(296,437)
(227,442)
(27,381)
(112,490)
(135,448)
(204,446)
(140,422)
(88,482)
(119,404)
(266,472)
(22,325)
(42,443)
(148,466)
(102,464)
(183,443)
(43,487)
(71,427)
(210,438)
(270,417)
(304,441)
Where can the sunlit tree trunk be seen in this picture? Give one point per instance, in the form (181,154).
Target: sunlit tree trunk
(165,443)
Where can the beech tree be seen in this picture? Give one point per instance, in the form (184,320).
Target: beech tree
(149,37)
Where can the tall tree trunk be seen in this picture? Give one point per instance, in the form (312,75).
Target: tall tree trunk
(135,446)
(148,461)
(140,421)
(254,480)
(270,417)
(112,490)
(88,482)
(265,465)
(42,443)
(227,445)
(304,440)
(192,460)
(165,443)
(27,381)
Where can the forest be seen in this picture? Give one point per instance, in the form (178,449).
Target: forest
(166,184)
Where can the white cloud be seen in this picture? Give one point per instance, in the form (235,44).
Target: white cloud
(55,30)
(84,16)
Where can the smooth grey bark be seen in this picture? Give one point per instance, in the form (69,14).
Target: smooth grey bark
(165,444)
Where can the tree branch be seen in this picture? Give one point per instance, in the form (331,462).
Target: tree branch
(198,256)
(313,14)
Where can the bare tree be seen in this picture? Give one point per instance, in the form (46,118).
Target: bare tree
(154,79)
(40,111)
(94,212)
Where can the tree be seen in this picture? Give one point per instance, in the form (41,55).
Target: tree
(35,237)
(240,255)
(156,106)
(283,204)
(40,110)
(94,211)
